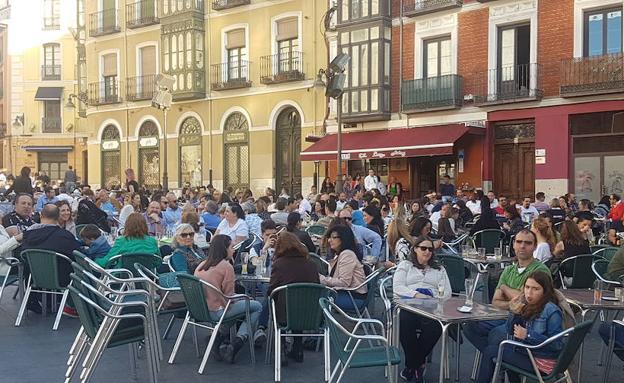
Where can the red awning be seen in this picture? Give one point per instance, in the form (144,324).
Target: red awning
(396,143)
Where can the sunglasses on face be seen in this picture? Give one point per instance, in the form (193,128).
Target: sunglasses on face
(425,248)
(187,235)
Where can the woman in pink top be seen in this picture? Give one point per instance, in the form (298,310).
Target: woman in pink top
(218,271)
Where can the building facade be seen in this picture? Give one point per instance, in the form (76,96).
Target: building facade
(40,131)
(243,97)
(517,96)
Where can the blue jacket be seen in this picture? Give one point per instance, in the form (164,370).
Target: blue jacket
(185,259)
(99,248)
(211,221)
(547,324)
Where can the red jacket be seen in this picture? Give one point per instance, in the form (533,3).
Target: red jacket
(617,211)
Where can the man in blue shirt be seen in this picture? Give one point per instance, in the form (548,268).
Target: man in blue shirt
(47,197)
(364,236)
(447,189)
(211,218)
(173,214)
(104,202)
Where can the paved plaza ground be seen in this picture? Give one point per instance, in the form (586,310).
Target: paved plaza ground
(33,353)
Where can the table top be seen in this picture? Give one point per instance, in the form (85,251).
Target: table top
(252,278)
(445,310)
(584,298)
(490,260)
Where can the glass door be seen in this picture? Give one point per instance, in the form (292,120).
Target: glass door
(598,176)
(613,175)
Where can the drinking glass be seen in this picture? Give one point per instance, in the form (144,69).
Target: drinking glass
(440,290)
(465,250)
(469,285)
(482,253)
(498,253)
(618,291)
(245,259)
(597,291)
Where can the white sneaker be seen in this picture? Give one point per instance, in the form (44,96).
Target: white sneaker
(259,337)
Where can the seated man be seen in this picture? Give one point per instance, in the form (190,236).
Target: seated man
(615,270)
(483,333)
(154,219)
(364,237)
(49,196)
(280,217)
(211,217)
(48,235)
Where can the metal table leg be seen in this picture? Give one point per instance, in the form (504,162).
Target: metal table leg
(395,341)
(580,363)
(443,350)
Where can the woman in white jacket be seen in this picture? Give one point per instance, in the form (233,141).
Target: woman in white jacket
(419,276)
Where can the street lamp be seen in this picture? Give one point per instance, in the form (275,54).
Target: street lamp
(334,88)
(162,99)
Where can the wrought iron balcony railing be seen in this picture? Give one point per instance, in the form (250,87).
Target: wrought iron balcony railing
(508,84)
(50,72)
(219,5)
(105,92)
(104,22)
(141,14)
(421,7)
(281,67)
(434,93)
(140,87)
(592,75)
(226,76)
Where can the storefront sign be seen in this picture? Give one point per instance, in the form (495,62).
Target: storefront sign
(110,145)
(362,156)
(148,142)
(460,160)
(233,137)
(378,155)
(540,160)
(398,153)
(345,156)
(540,152)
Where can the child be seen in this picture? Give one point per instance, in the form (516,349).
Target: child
(96,245)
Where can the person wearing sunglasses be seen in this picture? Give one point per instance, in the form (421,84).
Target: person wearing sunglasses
(419,276)
(186,255)
(509,288)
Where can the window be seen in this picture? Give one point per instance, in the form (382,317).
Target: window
(351,10)
(51,62)
(437,57)
(52,117)
(111,157)
(110,85)
(51,14)
(183,58)
(288,45)
(149,155)
(236,54)
(603,32)
(236,151)
(514,68)
(53,164)
(190,153)
(367,84)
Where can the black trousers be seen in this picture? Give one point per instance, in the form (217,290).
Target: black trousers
(418,336)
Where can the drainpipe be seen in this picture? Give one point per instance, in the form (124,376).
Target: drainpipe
(208,48)
(401,60)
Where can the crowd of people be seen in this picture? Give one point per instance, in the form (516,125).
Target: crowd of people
(367,225)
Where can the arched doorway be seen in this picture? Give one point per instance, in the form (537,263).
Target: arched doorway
(190,153)
(236,151)
(287,149)
(111,157)
(149,155)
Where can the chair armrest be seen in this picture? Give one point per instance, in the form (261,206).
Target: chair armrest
(370,321)
(11,261)
(537,346)
(108,314)
(237,297)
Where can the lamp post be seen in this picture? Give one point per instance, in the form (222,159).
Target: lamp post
(162,99)
(334,89)
(72,98)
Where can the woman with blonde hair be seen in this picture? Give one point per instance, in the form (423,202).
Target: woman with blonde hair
(399,240)
(546,239)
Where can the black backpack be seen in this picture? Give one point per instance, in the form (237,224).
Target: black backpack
(88,213)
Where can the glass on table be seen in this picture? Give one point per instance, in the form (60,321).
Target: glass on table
(619,294)
(466,250)
(469,284)
(598,286)
(498,253)
(481,253)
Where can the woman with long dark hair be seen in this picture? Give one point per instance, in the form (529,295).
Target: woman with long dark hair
(374,222)
(535,317)
(219,272)
(345,270)
(420,276)
(487,219)
(294,226)
(573,242)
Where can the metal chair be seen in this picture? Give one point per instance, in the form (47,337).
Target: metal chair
(612,349)
(489,239)
(195,295)
(8,278)
(599,267)
(579,267)
(323,265)
(606,252)
(44,279)
(452,246)
(127,261)
(316,230)
(350,348)
(575,337)
(303,315)
(371,283)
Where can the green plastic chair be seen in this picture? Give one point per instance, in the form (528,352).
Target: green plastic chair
(455,269)
(303,318)
(44,279)
(127,261)
(323,265)
(372,283)
(352,349)
(600,267)
(575,337)
(317,230)
(595,248)
(606,252)
(489,239)
(8,277)
(579,268)
(106,326)
(195,296)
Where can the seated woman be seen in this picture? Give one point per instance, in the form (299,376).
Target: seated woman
(399,240)
(345,270)
(192,218)
(186,255)
(218,271)
(294,226)
(233,224)
(535,316)
(422,227)
(291,264)
(318,211)
(420,276)
(513,222)
(545,240)
(487,219)
(134,240)
(66,221)
(572,242)
(374,222)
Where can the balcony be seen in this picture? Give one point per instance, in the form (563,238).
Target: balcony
(104,92)
(51,125)
(226,76)
(174,8)
(103,23)
(510,84)
(52,23)
(50,72)
(140,87)
(219,5)
(279,68)
(422,7)
(141,14)
(190,84)
(592,75)
(3,129)
(435,93)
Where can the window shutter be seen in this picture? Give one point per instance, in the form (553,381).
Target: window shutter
(110,65)
(287,29)
(235,39)
(148,60)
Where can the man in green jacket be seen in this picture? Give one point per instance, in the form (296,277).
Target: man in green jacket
(615,271)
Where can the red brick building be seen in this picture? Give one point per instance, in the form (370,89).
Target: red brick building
(521,95)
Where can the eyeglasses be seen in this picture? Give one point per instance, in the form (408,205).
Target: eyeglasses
(425,248)
(520,242)
(187,235)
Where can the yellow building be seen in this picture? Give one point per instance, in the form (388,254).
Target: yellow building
(40,131)
(243,98)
